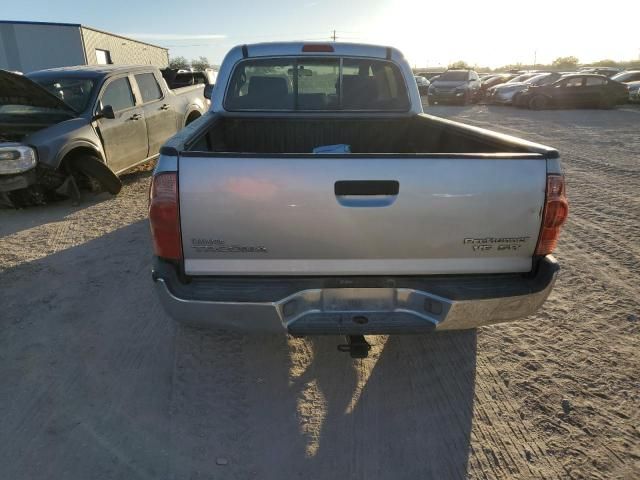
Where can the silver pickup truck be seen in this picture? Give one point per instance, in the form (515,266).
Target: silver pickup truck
(65,126)
(316,197)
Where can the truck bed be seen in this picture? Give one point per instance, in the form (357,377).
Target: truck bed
(416,134)
(418,195)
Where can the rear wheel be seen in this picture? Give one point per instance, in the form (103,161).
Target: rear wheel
(538,102)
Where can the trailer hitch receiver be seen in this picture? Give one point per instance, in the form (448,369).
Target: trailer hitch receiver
(356,346)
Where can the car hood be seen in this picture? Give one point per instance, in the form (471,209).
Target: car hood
(19,90)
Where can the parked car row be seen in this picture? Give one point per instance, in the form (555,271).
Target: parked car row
(576,91)
(505,92)
(593,87)
(586,88)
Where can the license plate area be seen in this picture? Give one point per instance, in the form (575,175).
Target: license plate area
(341,303)
(358,299)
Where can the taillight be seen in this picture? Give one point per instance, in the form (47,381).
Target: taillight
(164,216)
(556,209)
(317,47)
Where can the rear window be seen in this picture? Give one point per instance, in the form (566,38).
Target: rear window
(149,88)
(595,81)
(287,84)
(187,79)
(573,82)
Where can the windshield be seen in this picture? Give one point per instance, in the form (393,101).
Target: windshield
(454,77)
(316,84)
(75,92)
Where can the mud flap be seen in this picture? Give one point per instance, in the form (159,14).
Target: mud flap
(94,168)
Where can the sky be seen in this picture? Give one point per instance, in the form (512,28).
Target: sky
(487,33)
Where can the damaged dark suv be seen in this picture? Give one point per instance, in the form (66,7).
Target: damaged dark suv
(70,128)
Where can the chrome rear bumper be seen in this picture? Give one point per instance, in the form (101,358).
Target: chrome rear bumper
(354,306)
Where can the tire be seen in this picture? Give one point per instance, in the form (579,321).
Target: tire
(93,167)
(538,102)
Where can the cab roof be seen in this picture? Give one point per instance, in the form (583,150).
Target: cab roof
(276,49)
(89,71)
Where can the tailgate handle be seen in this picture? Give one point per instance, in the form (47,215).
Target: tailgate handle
(366,187)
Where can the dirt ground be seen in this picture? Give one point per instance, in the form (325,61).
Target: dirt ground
(97,383)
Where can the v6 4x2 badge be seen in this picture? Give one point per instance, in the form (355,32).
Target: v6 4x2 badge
(495,243)
(214,245)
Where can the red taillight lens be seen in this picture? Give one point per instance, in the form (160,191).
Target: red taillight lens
(164,216)
(556,210)
(317,47)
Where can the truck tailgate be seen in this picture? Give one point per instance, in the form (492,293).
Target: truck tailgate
(360,215)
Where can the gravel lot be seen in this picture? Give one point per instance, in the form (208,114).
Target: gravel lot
(98,383)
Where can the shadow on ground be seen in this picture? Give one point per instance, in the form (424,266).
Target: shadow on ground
(98,384)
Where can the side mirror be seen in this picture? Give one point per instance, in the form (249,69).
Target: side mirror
(208,89)
(106,112)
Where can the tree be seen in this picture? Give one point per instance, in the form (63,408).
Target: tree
(178,63)
(565,63)
(459,65)
(201,64)
(605,63)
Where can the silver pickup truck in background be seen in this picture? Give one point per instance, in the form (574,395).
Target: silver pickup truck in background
(316,197)
(81,125)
